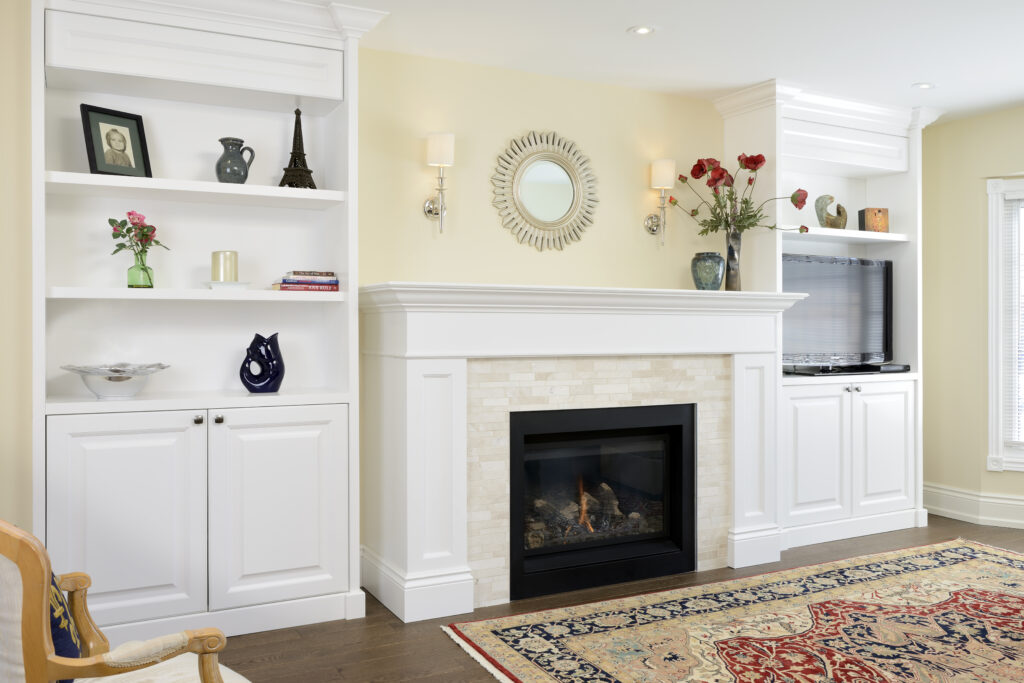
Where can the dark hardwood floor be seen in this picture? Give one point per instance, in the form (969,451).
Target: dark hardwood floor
(382,648)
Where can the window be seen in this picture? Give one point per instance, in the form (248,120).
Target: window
(1006,325)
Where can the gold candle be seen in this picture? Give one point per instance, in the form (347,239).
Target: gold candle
(224,266)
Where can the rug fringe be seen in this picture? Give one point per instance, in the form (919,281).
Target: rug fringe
(480,659)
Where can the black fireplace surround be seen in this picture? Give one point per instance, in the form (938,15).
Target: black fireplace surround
(600,496)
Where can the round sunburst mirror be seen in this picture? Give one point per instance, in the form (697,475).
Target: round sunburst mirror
(544,190)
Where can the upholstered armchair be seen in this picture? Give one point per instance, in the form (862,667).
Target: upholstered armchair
(27,646)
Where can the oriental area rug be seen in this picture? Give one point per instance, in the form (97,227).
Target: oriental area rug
(947,612)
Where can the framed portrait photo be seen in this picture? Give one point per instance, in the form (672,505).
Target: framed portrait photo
(115,142)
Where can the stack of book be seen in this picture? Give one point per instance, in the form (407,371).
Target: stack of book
(307,281)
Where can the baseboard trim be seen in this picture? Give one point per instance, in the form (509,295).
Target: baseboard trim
(241,620)
(421,596)
(978,508)
(749,547)
(794,537)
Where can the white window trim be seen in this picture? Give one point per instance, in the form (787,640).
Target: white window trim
(1000,457)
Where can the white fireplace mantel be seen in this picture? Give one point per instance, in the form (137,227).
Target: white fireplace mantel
(415,342)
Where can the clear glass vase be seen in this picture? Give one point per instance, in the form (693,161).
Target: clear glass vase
(140,275)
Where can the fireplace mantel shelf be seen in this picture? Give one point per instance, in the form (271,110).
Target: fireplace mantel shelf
(422,296)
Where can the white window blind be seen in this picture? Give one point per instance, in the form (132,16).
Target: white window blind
(1006,325)
(1013,353)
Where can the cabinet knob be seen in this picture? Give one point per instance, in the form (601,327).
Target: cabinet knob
(219,419)
(198,419)
(846,388)
(857,388)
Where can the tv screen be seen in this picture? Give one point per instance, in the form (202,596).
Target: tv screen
(846,318)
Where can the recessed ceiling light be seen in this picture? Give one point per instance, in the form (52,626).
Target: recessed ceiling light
(922,85)
(640,30)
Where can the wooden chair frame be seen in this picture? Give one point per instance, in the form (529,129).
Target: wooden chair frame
(41,662)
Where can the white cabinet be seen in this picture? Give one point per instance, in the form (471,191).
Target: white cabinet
(128,496)
(847,458)
(126,503)
(277,520)
(883,447)
(814,454)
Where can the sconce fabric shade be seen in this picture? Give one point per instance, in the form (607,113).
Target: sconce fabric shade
(663,174)
(441,149)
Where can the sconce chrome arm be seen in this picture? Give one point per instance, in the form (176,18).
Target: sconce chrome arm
(434,207)
(655,223)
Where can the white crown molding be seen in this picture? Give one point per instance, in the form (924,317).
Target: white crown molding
(311,22)
(922,117)
(760,96)
(422,296)
(354,22)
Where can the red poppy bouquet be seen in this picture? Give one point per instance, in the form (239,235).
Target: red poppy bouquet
(135,234)
(728,209)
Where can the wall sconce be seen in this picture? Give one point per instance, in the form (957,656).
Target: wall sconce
(663,178)
(440,153)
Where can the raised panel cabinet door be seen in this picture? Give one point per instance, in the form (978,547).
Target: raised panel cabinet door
(278,502)
(126,503)
(883,447)
(815,453)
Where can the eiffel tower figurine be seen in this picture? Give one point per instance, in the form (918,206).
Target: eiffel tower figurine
(297,174)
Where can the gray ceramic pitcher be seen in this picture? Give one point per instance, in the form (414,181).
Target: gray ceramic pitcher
(232,166)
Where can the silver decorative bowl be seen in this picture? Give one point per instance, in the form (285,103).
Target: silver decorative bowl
(115,380)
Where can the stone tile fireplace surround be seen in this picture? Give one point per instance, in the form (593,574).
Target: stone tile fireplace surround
(443,365)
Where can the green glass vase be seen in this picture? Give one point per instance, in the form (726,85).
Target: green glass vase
(140,275)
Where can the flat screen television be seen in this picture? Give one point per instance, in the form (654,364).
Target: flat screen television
(846,319)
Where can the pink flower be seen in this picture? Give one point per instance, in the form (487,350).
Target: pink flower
(693,212)
(136,218)
(804,228)
(672,200)
(799,198)
(743,160)
(682,177)
(750,180)
(711,163)
(698,170)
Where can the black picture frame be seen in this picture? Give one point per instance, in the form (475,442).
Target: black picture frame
(102,127)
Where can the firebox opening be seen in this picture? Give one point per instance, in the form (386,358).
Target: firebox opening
(601,496)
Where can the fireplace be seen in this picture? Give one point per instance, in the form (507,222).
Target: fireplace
(600,496)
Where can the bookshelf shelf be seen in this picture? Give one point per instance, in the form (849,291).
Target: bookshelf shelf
(167,189)
(793,235)
(84,402)
(160,294)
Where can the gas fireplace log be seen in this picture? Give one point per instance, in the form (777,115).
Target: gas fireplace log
(609,504)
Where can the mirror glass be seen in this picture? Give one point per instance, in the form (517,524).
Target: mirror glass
(546,191)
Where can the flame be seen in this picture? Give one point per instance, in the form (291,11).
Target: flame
(584,520)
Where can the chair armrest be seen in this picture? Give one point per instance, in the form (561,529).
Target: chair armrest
(134,655)
(75,584)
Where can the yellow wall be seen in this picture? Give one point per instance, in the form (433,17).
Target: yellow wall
(958,158)
(15,268)
(402,98)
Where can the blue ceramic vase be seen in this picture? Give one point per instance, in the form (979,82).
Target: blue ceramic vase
(707,268)
(263,367)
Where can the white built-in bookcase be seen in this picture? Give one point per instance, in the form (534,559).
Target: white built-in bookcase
(196,71)
(850,453)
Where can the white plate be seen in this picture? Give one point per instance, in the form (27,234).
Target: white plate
(228,285)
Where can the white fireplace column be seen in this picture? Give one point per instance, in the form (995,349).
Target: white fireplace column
(416,338)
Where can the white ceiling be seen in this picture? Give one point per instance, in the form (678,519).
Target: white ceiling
(863,49)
